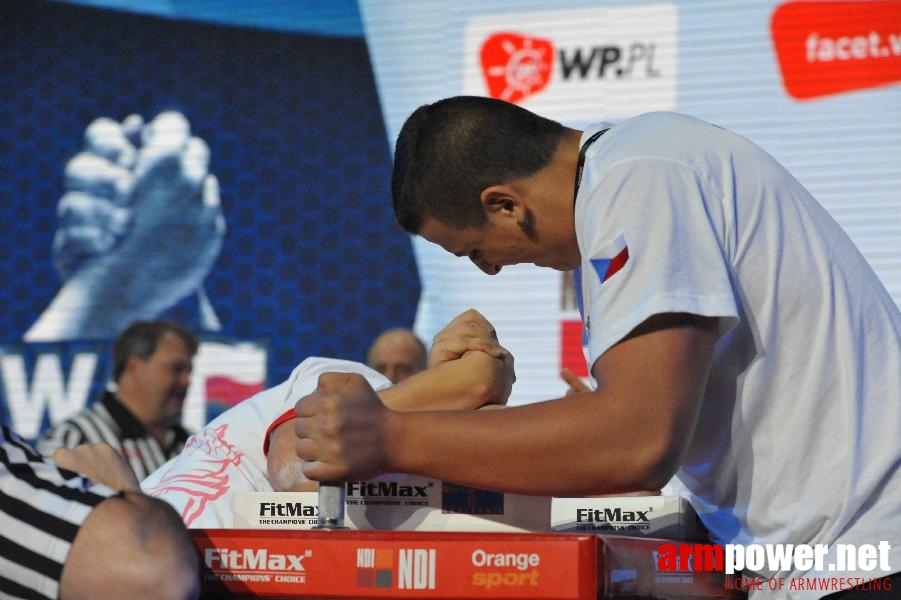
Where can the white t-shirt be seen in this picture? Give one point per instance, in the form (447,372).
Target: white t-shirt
(227,454)
(799,436)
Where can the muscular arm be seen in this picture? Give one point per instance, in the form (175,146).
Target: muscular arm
(629,434)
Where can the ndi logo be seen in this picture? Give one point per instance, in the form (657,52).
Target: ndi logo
(375,567)
(415,568)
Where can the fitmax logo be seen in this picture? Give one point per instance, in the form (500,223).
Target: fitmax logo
(387,488)
(249,559)
(611,515)
(287,509)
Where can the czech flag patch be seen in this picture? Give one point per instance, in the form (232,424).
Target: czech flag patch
(610,258)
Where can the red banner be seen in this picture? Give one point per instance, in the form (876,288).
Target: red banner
(382,564)
(827,47)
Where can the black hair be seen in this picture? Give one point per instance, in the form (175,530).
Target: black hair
(141,339)
(449,151)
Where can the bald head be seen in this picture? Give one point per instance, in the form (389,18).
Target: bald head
(397,354)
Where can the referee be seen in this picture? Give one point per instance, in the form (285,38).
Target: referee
(152,362)
(79,527)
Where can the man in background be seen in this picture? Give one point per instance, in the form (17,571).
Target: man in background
(152,362)
(397,353)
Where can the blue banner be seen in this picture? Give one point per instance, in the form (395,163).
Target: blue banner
(233,179)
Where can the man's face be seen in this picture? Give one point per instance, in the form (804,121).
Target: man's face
(500,243)
(163,379)
(396,356)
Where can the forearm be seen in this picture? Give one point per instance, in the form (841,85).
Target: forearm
(471,381)
(100,463)
(594,448)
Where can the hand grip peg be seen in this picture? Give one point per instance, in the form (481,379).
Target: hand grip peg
(332,497)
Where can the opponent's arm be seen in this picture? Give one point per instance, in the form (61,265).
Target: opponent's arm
(473,380)
(283,466)
(468,368)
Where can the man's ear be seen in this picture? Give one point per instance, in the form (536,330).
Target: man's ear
(133,364)
(501,199)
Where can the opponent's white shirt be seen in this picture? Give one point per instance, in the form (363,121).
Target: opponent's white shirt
(227,454)
(799,436)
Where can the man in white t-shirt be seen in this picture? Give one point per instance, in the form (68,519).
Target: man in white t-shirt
(251,446)
(737,338)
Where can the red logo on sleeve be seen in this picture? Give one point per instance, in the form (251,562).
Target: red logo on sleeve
(826,47)
(516,66)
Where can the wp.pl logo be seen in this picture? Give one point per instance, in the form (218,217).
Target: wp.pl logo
(575,64)
(516,66)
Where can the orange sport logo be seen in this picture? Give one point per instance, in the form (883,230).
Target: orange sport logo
(825,48)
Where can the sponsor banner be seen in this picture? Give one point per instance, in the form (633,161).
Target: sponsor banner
(667,517)
(826,48)
(276,510)
(414,503)
(575,64)
(370,564)
(400,503)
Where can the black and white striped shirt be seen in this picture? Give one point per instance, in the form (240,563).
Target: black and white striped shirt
(109,421)
(41,509)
